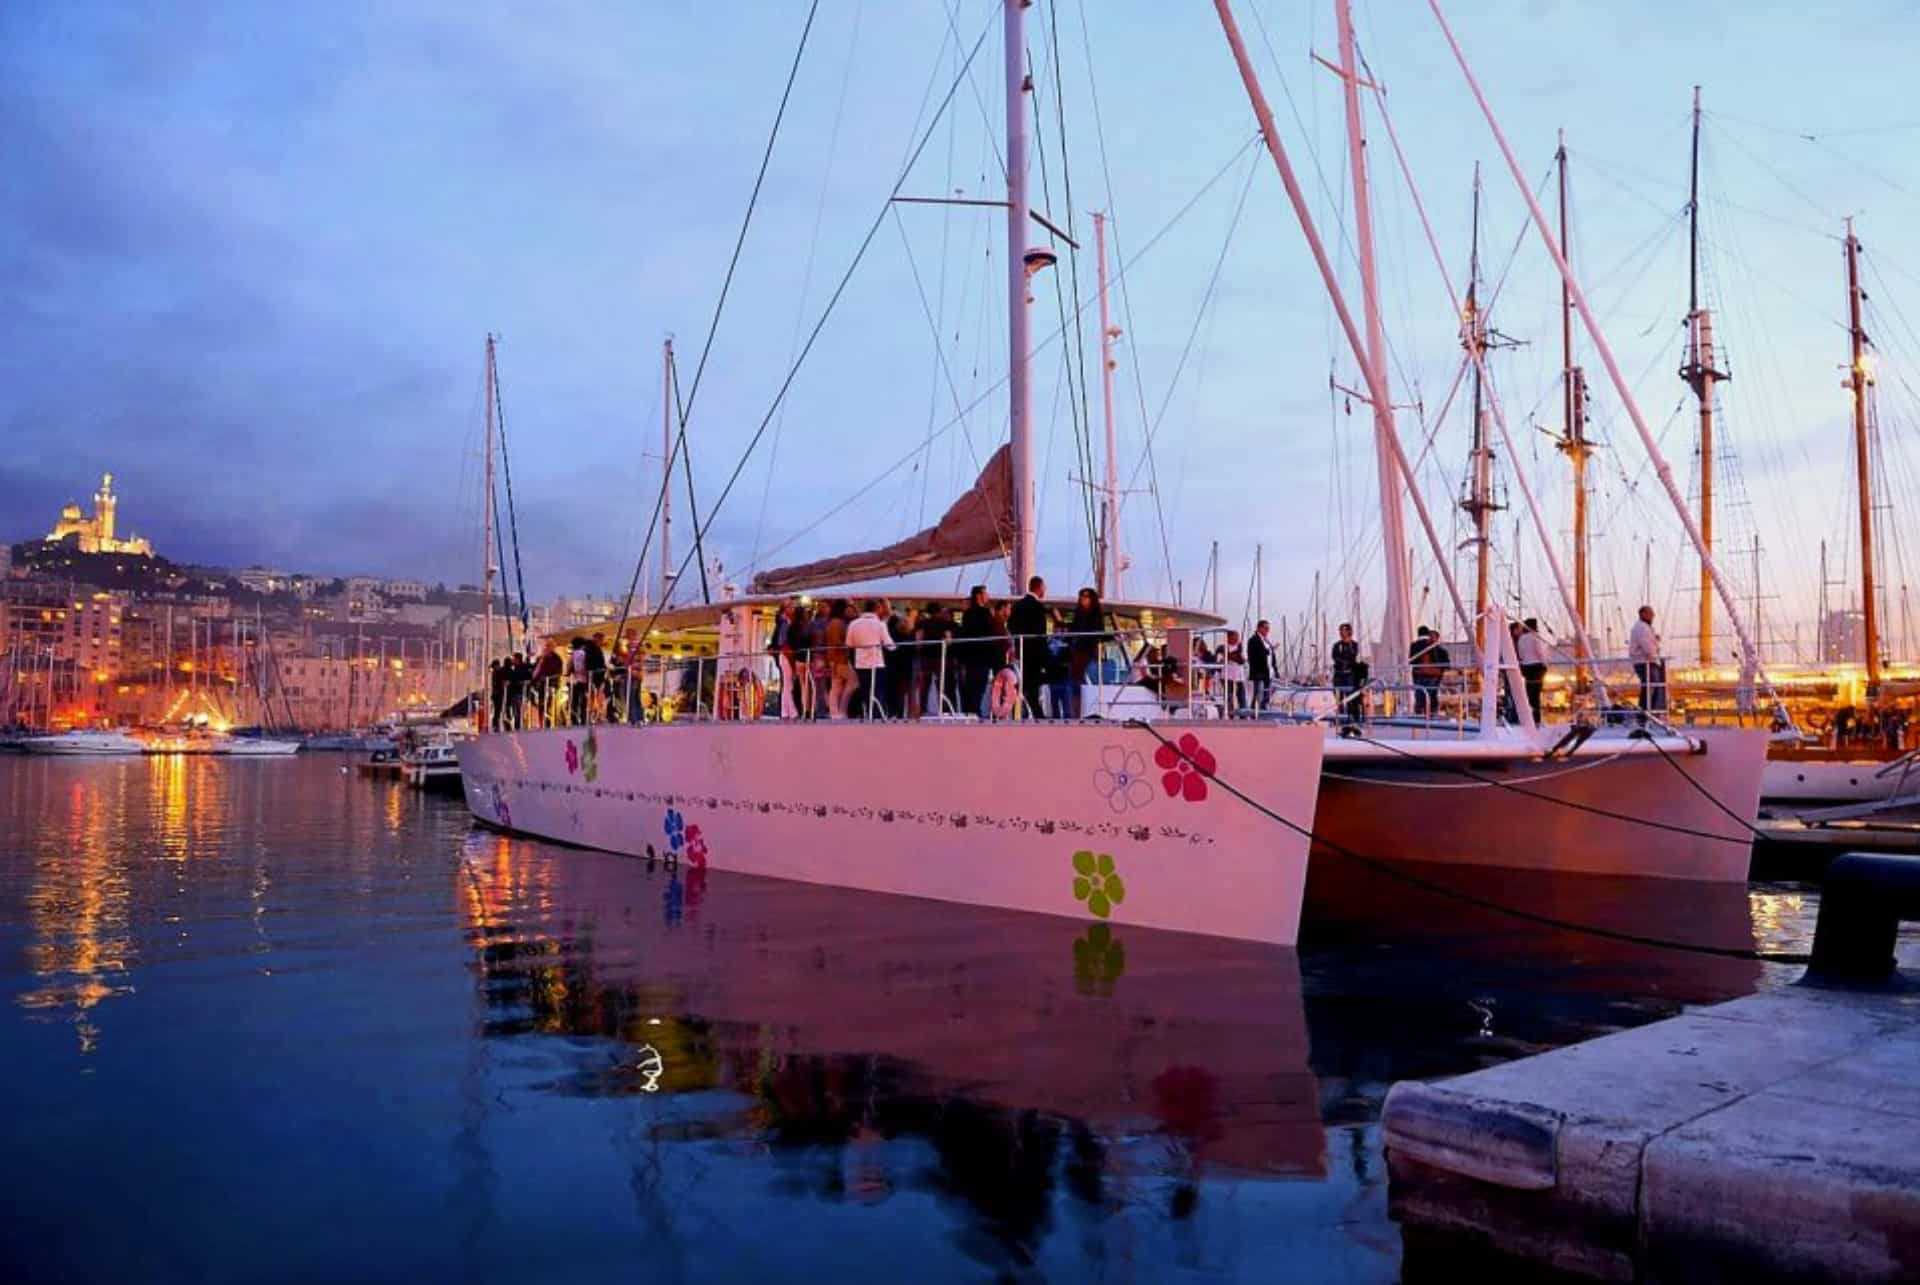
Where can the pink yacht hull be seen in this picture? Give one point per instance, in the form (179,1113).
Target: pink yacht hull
(1630,814)
(1075,820)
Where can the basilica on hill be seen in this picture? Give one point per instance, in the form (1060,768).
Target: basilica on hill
(96,534)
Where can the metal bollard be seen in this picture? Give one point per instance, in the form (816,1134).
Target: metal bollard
(1863,900)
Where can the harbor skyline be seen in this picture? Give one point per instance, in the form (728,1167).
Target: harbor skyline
(521,185)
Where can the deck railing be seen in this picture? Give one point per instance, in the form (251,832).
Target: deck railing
(1122,673)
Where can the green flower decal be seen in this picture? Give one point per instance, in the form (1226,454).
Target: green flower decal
(590,758)
(1098,961)
(1096,883)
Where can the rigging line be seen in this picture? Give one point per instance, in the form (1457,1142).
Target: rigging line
(992,134)
(826,313)
(1126,293)
(1073,269)
(506,466)
(926,311)
(806,274)
(746,221)
(1824,213)
(686,460)
(1120,273)
(1206,300)
(1082,442)
(1442,890)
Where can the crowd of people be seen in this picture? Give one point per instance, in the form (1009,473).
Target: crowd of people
(988,660)
(991,660)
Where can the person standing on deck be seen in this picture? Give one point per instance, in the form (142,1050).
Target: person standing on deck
(1027,624)
(902,701)
(869,641)
(936,666)
(839,668)
(1346,674)
(496,691)
(577,681)
(1088,630)
(1643,649)
(546,676)
(1429,662)
(1260,665)
(1233,672)
(781,645)
(975,650)
(597,671)
(1531,652)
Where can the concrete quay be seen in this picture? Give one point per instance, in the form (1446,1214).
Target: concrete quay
(1775,1137)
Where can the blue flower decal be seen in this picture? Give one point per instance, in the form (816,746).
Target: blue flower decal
(676,829)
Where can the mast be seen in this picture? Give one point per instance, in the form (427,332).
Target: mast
(1573,438)
(1858,379)
(1019,397)
(486,563)
(1700,375)
(666,473)
(1395,630)
(1478,502)
(1107,573)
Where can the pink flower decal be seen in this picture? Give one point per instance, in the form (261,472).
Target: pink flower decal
(696,847)
(573,758)
(1184,771)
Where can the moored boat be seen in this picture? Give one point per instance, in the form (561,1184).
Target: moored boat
(85,743)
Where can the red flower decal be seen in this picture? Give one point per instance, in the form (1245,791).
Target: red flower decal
(696,847)
(573,758)
(1184,771)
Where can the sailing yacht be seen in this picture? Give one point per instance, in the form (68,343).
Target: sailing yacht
(1846,769)
(1597,797)
(1092,821)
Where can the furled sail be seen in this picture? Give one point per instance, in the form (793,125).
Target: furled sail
(978,526)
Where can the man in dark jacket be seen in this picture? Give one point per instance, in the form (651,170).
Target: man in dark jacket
(1260,665)
(1028,626)
(975,656)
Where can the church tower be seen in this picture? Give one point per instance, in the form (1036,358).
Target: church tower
(103,505)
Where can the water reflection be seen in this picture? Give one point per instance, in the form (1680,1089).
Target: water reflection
(80,951)
(1002,1063)
(262,1002)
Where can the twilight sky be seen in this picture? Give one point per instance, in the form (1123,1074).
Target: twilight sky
(250,253)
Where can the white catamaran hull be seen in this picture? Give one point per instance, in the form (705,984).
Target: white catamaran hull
(1085,821)
(1615,808)
(1838,781)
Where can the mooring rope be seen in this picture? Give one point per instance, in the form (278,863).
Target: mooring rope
(1382,867)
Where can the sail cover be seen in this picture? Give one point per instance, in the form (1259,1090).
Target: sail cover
(978,526)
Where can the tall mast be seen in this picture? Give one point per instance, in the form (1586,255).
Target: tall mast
(486,563)
(1573,438)
(1700,375)
(1858,378)
(1107,573)
(1019,398)
(666,472)
(1395,629)
(1478,503)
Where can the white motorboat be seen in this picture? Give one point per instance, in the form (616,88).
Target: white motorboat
(86,743)
(432,764)
(198,741)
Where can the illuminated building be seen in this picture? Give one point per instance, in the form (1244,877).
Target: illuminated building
(96,534)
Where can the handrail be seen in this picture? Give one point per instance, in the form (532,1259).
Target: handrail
(957,678)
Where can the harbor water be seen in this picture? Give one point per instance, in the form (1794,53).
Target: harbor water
(267,1020)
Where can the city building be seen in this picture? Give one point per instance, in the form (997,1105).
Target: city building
(411,590)
(571,613)
(96,534)
(264,579)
